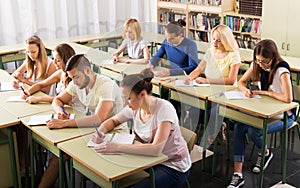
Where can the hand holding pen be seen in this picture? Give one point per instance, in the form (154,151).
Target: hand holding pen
(64,114)
(25,94)
(97,136)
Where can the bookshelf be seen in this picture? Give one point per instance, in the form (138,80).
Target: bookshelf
(280,24)
(202,15)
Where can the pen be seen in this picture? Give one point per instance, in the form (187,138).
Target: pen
(23,90)
(100,136)
(63,109)
(250,87)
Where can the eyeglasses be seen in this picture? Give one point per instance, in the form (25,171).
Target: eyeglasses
(263,62)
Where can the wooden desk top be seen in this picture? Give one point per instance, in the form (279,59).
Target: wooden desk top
(55,136)
(9,49)
(22,109)
(266,107)
(99,36)
(5,76)
(7,119)
(109,167)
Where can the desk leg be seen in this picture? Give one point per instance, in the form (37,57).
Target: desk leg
(205,137)
(152,177)
(283,147)
(61,169)
(263,148)
(215,143)
(72,174)
(32,160)
(12,157)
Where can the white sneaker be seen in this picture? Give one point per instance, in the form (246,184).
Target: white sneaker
(268,158)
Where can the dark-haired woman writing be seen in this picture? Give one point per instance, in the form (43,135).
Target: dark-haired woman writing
(155,125)
(181,51)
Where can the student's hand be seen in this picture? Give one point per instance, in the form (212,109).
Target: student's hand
(32,100)
(150,66)
(62,115)
(107,147)
(96,139)
(187,81)
(115,59)
(55,123)
(248,93)
(15,84)
(162,73)
(25,95)
(201,80)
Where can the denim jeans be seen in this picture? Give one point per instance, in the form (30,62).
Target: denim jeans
(255,134)
(165,177)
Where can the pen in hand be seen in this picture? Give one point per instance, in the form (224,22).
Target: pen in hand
(63,109)
(23,90)
(100,135)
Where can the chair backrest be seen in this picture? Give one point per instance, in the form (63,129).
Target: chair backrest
(189,136)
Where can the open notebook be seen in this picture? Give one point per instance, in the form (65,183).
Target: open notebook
(42,119)
(7,86)
(235,95)
(180,83)
(120,138)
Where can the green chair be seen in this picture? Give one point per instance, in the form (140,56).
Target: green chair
(190,137)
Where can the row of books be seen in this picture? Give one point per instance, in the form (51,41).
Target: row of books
(240,24)
(200,35)
(176,1)
(204,21)
(167,16)
(206,2)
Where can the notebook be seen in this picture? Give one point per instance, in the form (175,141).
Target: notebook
(180,83)
(119,138)
(42,119)
(235,95)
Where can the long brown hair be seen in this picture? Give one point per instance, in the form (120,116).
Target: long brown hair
(65,51)
(42,59)
(268,49)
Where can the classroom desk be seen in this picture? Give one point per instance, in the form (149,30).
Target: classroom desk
(106,170)
(198,98)
(294,63)
(8,120)
(107,36)
(9,53)
(258,113)
(50,138)
(22,109)
(97,57)
(119,70)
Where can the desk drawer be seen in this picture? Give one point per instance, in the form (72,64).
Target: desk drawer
(244,118)
(187,99)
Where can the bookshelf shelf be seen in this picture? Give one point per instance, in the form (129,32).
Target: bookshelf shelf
(202,16)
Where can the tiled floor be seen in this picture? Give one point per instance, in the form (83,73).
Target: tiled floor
(272,174)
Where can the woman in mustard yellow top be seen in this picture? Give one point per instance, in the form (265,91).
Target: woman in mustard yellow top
(220,65)
(221,62)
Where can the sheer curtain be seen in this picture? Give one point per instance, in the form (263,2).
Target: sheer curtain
(51,19)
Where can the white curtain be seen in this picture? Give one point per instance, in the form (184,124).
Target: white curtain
(51,19)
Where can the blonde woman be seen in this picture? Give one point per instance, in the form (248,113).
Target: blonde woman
(221,62)
(37,65)
(137,47)
(220,65)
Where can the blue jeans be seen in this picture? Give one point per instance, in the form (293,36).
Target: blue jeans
(164,177)
(254,134)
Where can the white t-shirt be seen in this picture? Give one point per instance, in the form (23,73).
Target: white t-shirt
(175,147)
(135,47)
(104,89)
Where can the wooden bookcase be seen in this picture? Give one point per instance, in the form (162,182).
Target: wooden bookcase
(202,15)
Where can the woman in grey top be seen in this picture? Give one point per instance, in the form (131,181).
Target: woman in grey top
(137,47)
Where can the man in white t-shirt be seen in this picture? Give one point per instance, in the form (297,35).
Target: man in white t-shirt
(99,94)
